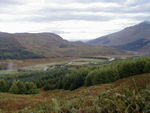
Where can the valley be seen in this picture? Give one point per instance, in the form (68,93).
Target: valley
(75,56)
(43,64)
(43,73)
(77,87)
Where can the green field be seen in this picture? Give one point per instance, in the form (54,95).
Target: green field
(80,61)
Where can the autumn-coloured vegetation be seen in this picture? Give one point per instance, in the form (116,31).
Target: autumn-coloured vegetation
(37,45)
(120,96)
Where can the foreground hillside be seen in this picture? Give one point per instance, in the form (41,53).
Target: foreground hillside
(37,45)
(110,98)
(134,38)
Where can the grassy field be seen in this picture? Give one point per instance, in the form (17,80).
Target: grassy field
(77,61)
(39,64)
(54,101)
(35,65)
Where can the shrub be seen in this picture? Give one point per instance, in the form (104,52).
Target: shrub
(125,101)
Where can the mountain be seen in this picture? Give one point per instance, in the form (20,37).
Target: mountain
(134,38)
(10,48)
(36,45)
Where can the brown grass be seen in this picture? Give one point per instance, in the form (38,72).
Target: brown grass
(11,103)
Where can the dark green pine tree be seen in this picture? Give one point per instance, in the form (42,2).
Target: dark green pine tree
(3,86)
(14,88)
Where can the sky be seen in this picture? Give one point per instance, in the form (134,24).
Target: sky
(72,19)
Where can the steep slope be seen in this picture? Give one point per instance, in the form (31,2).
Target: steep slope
(52,45)
(134,38)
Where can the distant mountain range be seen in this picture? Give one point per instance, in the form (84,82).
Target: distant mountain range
(134,38)
(37,45)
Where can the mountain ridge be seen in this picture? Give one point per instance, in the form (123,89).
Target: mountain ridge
(52,45)
(137,37)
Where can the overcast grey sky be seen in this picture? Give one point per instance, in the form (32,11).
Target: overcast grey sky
(72,19)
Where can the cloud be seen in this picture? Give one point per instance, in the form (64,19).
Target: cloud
(70,16)
(9,2)
(78,7)
(110,10)
(83,1)
(88,10)
(73,19)
(60,32)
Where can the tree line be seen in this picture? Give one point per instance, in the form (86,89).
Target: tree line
(99,74)
(70,78)
(18,87)
(17,53)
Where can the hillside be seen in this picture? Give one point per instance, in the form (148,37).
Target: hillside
(85,98)
(10,48)
(134,38)
(50,45)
